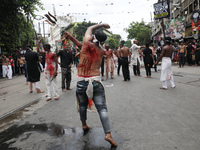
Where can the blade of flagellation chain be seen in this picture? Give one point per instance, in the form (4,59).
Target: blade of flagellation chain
(52,16)
(46,15)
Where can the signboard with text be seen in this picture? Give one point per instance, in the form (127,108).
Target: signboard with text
(161,10)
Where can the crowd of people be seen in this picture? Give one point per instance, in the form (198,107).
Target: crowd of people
(91,57)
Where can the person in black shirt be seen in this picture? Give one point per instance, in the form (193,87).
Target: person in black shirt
(148,60)
(66,63)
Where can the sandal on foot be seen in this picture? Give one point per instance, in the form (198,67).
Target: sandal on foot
(56,97)
(48,98)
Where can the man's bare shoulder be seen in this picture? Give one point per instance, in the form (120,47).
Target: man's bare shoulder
(124,48)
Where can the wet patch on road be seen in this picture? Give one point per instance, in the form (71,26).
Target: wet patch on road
(16,115)
(53,136)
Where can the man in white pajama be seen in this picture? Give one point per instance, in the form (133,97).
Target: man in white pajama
(166,72)
(51,67)
(6,67)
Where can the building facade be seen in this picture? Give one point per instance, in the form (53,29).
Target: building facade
(180,22)
(55,31)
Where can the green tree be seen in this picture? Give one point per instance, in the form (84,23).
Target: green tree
(128,43)
(16,24)
(113,41)
(139,31)
(81,28)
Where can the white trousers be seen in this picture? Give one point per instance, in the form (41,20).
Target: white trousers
(49,83)
(7,70)
(37,85)
(164,83)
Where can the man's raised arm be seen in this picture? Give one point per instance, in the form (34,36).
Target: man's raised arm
(75,41)
(88,33)
(38,47)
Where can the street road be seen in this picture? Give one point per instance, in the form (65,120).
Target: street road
(143,117)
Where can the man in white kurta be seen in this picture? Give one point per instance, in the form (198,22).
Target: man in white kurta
(135,58)
(166,72)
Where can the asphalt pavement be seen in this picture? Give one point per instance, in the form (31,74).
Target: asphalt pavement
(142,116)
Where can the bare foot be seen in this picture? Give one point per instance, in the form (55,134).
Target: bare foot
(162,88)
(31,91)
(85,128)
(111,141)
(39,91)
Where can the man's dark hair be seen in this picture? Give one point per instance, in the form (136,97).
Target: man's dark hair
(100,36)
(29,47)
(168,40)
(48,46)
(122,42)
(147,44)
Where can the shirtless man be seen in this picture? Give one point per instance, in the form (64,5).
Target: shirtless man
(182,53)
(166,72)
(124,53)
(6,67)
(89,85)
(20,64)
(109,62)
(119,61)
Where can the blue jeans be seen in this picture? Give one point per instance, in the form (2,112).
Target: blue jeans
(98,99)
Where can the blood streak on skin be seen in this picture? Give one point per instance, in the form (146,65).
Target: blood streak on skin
(91,58)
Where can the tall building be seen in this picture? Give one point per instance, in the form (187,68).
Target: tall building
(55,31)
(181,21)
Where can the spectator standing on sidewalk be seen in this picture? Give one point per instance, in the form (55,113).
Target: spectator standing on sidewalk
(20,64)
(6,67)
(11,61)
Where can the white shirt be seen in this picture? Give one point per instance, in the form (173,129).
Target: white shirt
(135,54)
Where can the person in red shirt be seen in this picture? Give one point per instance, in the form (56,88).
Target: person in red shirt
(11,60)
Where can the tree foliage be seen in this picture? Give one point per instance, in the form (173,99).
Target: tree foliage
(139,31)
(114,41)
(16,23)
(81,28)
(128,43)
